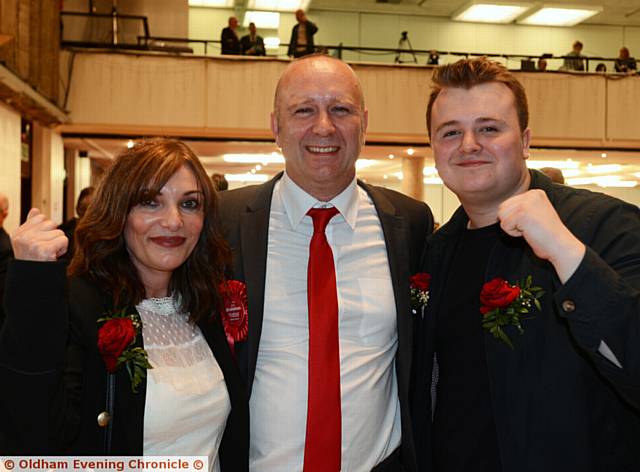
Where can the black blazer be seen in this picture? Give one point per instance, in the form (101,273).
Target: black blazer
(559,405)
(54,379)
(293,42)
(257,45)
(405,223)
(229,42)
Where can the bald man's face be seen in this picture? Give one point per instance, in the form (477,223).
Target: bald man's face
(319,123)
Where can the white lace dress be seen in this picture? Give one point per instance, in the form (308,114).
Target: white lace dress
(187,402)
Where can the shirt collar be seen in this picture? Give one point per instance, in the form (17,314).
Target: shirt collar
(297,202)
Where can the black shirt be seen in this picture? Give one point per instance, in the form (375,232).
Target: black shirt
(464,428)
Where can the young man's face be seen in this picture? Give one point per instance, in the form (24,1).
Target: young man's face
(479,148)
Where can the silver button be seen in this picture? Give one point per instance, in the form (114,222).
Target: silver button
(568,306)
(103,419)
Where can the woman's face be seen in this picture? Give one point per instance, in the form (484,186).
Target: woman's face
(161,233)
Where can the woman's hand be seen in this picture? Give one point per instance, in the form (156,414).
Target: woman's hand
(38,239)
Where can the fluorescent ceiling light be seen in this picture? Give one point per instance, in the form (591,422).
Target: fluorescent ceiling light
(568,164)
(271,42)
(278,5)
(273,158)
(262,19)
(248,177)
(549,15)
(211,3)
(496,12)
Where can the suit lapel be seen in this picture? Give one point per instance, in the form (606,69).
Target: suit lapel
(254,235)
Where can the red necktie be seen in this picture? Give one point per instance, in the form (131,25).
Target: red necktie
(322,450)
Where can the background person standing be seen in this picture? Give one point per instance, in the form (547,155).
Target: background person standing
(252,44)
(229,39)
(301,42)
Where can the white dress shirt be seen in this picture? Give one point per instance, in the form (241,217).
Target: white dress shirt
(367,330)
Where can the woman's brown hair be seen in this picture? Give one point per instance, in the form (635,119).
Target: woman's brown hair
(101,255)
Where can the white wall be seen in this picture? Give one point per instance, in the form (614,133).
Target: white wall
(10,164)
(383,30)
(48,172)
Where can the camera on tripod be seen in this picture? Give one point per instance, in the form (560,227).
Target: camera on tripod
(404,47)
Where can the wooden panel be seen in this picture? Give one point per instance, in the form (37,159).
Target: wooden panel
(9,27)
(22,44)
(34,43)
(232,98)
(239,93)
(396,97)
(138,89)
(565,106)
(623,97)
(49,47)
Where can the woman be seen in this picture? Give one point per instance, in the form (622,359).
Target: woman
(148,264)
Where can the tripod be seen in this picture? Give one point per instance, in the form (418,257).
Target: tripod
(404,47)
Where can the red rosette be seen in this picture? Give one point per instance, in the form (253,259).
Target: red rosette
(113,338)
(235,315)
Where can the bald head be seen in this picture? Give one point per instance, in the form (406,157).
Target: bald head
(304,69)
(319,122)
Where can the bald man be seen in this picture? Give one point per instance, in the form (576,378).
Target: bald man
(375,238)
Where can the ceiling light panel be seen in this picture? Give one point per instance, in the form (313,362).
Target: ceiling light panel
(551,15)
(262,19)
(496,12)
(278,5)
(211,3)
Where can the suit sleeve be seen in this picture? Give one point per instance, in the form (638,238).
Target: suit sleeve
(601,300)
(293,41)
(312,28)
(41,398)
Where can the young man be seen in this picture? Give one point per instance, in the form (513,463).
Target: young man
(328,350)
(563,395)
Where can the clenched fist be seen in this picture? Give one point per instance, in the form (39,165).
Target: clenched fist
(38,239)
(532,216)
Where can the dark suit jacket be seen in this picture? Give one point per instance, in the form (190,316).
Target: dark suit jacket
(54,379)
(229,42)
(559,405)
(257,45)
(293,43)
(405,223)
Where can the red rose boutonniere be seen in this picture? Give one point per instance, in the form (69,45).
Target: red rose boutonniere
(419,288)
(235,313)
(115,338)
(504,304)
